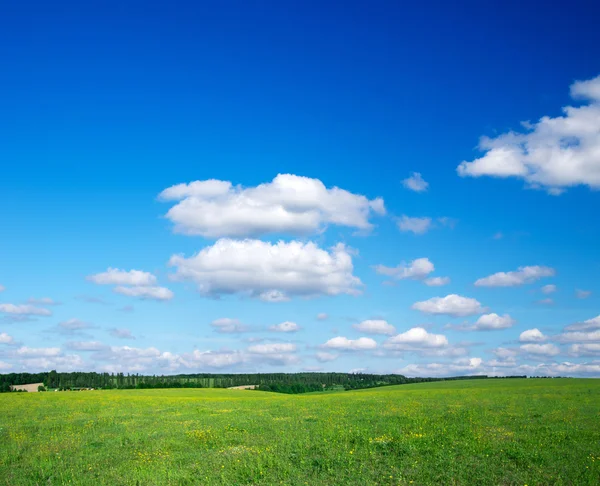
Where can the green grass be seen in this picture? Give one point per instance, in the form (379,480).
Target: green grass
(483,432)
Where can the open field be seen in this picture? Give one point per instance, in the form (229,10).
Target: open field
(516,431)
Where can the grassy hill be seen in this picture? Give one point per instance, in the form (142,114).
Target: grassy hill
(520,431)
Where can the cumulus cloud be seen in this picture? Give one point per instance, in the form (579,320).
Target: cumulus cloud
(547,301)
(540,349)
(121,333)
(532,336)
(585,349)
(322,316)
(554,153)
(415,182)
(324,357)
(588,325)
(417,269)
(74,325)
(226,325)
(418,226)
(451,305)
(342,343)
(437,281)
(274,353)
(519,277)
(24,310)
(582,294)
(488,322)
(463,366)
(579,336)
(258,268)
(286,326)
(27,352)
(6,339)
(151,293)
(416,338)
(114,276)
(375,326)
(288,204)
(549,289)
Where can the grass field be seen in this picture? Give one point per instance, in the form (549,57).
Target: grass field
(517,431)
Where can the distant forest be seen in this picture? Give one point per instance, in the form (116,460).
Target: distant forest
(275,382)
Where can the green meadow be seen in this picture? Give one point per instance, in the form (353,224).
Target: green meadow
(483,432)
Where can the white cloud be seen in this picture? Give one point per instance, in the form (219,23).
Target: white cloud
(85,345)
(586,349)
(547,301)
(322,316)
(152,293)
(588,325)
(27,352)
(493,321)
(415,182)
(540,349)
(212,359)
(582,294)
(286,326)
(344,344)
(417,269)
(73,325)
(418,226)
(437,281)
(579,336)
(42,301)
(256,268)
(288,204)
(5,366)
(452,305)
(114,276)
(375,327)
(226,325)
(24,310)
(532,336)
(519,277)
(463,366)
(505,353)
(121,333)
(324,357)
(272,348)
(415,339)
(553,153)
(2,288)
(549,289)
(6,339)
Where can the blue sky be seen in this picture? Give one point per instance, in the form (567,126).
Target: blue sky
(107,106)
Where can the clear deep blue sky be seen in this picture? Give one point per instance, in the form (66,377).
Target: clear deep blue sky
(106,104)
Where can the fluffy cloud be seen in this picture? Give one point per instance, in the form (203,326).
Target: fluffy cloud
(272,348)
(417,269)
(586,349)
(226,325)
(589,325)
(121,333)
(344,344)
(493,321)
(549,289)
(286,326)
(540,349)
(288,204)
(553,153)
(582,294)
(519,277)
(258,268)
(375,327)
(24,310)
(6,339)
(324,357)
(322,316)
(141,292)
(418,226)
(85,345)
(579,336)
(532,336)
(415,182)
(114,276)
(437,281)
(464,366)
(415,339)
(451,305)
(27,352)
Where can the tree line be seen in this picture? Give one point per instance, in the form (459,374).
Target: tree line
(277,382)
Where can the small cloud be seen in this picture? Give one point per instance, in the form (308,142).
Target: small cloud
(547,301)
(417,269)
(532,336)
(437,281)
(415,182)
(121,333)
(344,344)
(226,325)
(582,294)
(322,316)
(549,289)
(42,301)
(418,226)
(375,326)
(145,293)
(286,326)
(324,357)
